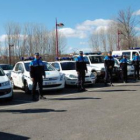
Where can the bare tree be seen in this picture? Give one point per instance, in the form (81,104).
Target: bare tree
(126,24)
(94,41)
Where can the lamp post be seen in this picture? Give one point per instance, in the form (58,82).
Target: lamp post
(57,25)
(119,33)
(10,45)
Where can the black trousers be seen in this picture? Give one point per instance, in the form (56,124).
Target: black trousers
(81,79)
(108,75)
(124,74)
(136,72)
(38,80)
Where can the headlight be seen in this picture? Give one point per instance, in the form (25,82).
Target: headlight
(61,77)
(72,76)
(7,83)
(92,75)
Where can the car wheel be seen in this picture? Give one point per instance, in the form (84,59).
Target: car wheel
(26,88)
(95,73)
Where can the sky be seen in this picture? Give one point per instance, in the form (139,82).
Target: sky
(79,17)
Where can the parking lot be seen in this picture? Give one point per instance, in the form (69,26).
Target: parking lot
(100,113)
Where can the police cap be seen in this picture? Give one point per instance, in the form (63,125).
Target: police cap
(80,52)
(36,54)
(109,52)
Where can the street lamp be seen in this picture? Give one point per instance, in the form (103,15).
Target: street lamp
(10,45)
(57,25)
(119,33)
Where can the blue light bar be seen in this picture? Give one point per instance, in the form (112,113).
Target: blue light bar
(63,58)
(95,53)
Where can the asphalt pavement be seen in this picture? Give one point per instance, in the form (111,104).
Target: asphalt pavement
(100,113)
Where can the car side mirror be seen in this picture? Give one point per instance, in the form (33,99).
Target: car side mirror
(20,71)
(57,69)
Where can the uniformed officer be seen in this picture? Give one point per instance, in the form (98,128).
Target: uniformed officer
(136,63)
(123,66)
(109,65)
(36,73)
(81,68)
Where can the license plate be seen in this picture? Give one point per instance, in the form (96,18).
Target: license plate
(49,83)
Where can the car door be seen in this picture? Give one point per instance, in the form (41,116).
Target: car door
(56,66)
(15,75)
(20,75)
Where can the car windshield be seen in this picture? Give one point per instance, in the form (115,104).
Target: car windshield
(2,72)
(6,67)
(68,66)
(96,59)
(47,66)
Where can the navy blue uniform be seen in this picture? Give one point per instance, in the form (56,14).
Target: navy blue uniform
(36,72)
(81,68)
(123,66)
(136,63)
(109,65)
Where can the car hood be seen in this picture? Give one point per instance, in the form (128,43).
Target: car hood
(97,66)
(72,72)
(3,79)
(7,71)
(50,74)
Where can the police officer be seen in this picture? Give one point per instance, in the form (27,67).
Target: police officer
(123,66)
(81,68)
(136,63)
(109,65)
(36,73)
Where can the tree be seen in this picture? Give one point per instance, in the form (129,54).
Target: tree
(126,24)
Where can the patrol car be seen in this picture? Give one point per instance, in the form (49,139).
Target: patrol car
(68,68)
(6,90)
(95,64)
(130,67)
(20,77)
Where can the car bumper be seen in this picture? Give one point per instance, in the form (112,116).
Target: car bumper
(50,85)
(6,93)
(75,81)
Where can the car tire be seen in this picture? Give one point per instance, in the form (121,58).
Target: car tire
(26,88)
(95,73)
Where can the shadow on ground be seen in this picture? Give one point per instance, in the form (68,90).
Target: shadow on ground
(79,98)
(31,111)
(7,136)
(111,90)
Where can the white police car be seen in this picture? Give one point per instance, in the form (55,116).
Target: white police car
(20,77)
(6,90)
(95,64)
(69,70)
(130,67)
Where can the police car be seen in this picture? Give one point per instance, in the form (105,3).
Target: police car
(130,67)
(68,68)
(95,64)
(6,90)
(20,77)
